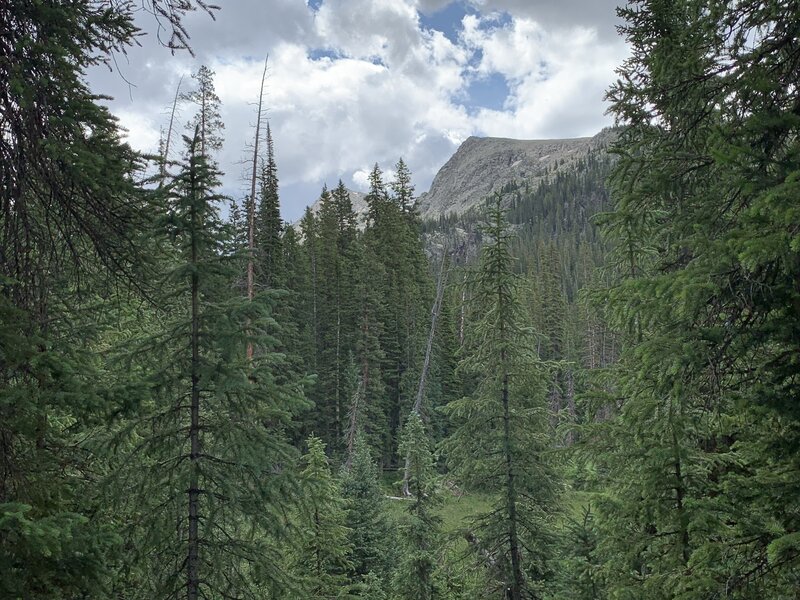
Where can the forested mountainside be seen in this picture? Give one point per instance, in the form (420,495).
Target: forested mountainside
(483,165)
(583,383)
(558,252)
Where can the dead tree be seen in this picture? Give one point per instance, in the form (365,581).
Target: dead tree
(435,310)
(165,158)
(251,205)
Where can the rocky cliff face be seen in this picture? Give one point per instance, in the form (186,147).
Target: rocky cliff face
(481,166)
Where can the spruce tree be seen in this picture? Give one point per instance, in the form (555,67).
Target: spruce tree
(403,190)
(298,286)
(703,451)
(269,227)
(366,517)
(207,120)
(416,574)
(208,462)
(71,219)
(333,350)
(367,407)
(501,440)
(324,558)
(393,238)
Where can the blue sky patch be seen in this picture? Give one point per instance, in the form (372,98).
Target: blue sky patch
(447,19)
(317,53)
(487,92)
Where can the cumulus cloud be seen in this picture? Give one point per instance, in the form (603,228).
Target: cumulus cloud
(557,77)
(354,82)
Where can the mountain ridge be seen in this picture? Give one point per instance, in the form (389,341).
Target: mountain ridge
(483,165)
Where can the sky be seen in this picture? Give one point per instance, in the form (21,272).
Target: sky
(351,83)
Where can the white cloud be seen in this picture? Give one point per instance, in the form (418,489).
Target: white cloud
(140,130)
(600,15)
(557,78)
(362,81)
(517,50)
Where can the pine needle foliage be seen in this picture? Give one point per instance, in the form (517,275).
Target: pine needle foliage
(211,440)
(702,459)
(366,518)
(501,441)
(324,557)
(416,574)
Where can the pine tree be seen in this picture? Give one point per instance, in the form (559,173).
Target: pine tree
(415,577)
(403,190)
(298,286)
(393,238)
(333,350)
(208,119)
(579,570)
(325,549)
(377,198)
(707,262)
(500,442)
(211,441)
(309,231)
(269,227)
(70,224)
(366,517)
(368,407)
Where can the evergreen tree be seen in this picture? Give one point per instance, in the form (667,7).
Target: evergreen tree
(366,517)
(70,224)
(325,549)
(706,296)
(403,190)
(377,198)
(501,441)
(393,238)
(269,227)
(415,577)
(56,537)
(368,407)
(579,570)
(210,443)
(298,285)
(207,121)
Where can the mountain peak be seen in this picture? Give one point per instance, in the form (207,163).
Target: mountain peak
(482,165)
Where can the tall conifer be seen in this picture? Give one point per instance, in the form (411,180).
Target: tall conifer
(210,445)
(269,227)
(501,442)
(703,453)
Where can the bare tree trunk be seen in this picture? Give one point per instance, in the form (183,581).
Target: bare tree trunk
(435,310)
(165,158)
(251,207)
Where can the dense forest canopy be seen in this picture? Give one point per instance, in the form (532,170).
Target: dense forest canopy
(581,389)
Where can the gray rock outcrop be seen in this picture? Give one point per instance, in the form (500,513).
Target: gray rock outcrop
(482,166)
